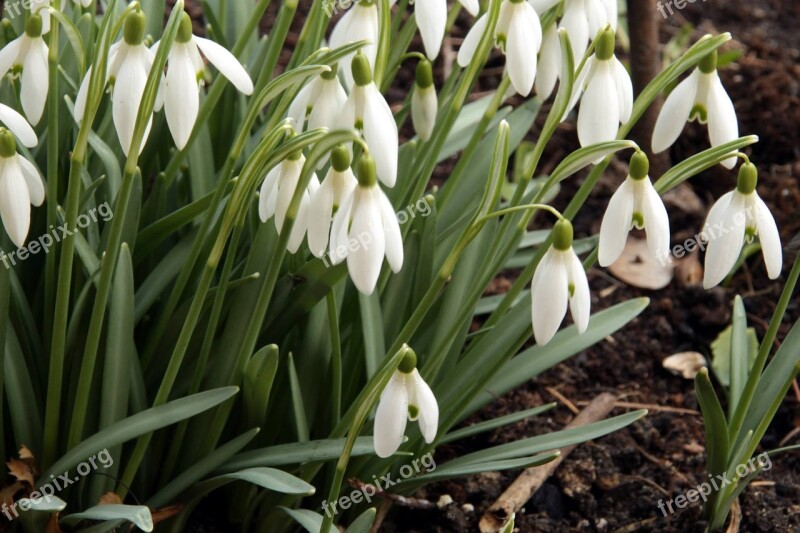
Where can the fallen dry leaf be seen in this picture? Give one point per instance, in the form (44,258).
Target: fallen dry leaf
(689,271)
(22,471)
(160,515)
(686,364)
(25,453)
(637,267)
(110,498)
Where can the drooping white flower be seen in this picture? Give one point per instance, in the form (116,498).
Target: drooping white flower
(583,19)
(360,23)
(635,204)
(17,124)
(366,109)
(406,397)
(321,101)
(607,94)
(21,186)
(185,69)
(735,218)
(276,196)
(518,35)
(699,97)
(559,281)
(365,230)
(28,54)
(129,64)
(336,188)
(549,63)
(424,101)
(431,18)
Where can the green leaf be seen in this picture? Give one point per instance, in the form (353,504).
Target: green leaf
(721,353)
(257,384)
(495,423)
(297,453)
(311,521)
(138,515)
(362,524)
(371,324)
(716,427)
(449,471)
(266,478)
(300,420)
(583,157)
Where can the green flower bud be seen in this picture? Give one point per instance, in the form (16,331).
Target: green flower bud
(362,72)
(367,173)
(639,166)
(748,179)
(185,29)
(605,43)
(409,362)
(340,158)
(424,74)
(33,26)
(708,64)
(331,74)
(563,235)
(135,24)
(8,144)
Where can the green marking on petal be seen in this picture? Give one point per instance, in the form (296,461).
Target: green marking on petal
(637,220)
(700,113)
(413,412)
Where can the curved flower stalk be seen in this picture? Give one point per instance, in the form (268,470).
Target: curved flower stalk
(321,101)
(607,94)
(276,197)
(365,229)
(699,97)
(28,54)
(360,23)
(635,204)
(129,64)
(21,186)
(424,101)
(406,397)
(559,281)
(735,218)
(518,35)
(366,109)
(185,68)
(431,17)
(336,188)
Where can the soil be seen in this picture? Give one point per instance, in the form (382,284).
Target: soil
(615,483)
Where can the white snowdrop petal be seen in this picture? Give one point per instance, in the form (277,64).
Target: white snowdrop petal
(299,227)
(431,17)
(265,210)
(299,108)
(226,63)
(365,257)
(35,81)
(725,228)
(612,13)
(127,97)
(722,124)
(472,6)
(390,417)
(616,224)
(425,401)
(341,224)
(675,113)
(580,303)
(549,63)
(17,124)
(9,55)
(580,84)
(33,179)
(577,26)
(471,41)
(424,108)
(329,103)
(598,117)
(549,297)
(15,205)
(656,221)
(321,212)
(543,5)
(380,132)
(624,91)
(391,229)
(182,98)
(287,184)
(80,99)
(521,48)
(769,237)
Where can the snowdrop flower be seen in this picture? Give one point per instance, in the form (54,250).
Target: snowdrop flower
(635,204)
(365,229)
(129,64)
(28,53)
(366,109)
(406,397)
(338,186)
(276,196)
(700,97)
(518,35)
(20,186)
(321,101)
(431,17)
(360,23)
(424,102)
(559,280)
(583,19)
(735,218)
(549,63)
(185,69)
(17,124)
(607,94)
